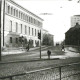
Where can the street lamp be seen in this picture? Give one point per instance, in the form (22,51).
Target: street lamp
(22,39)
(39,37)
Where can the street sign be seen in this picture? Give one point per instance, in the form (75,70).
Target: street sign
(39,35)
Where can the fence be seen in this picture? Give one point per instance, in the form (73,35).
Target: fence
(64,72)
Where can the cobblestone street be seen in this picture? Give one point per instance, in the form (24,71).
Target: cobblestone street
(21,67)
(24,65)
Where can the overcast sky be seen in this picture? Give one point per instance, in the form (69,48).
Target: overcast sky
(57,14)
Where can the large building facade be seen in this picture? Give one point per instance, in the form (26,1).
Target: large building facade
(19,26)
(75,19)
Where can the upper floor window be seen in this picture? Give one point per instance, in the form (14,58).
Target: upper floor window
(25,29)
(26,17)
(29,19)
(35,32)
(32,31)
(21,28)
(19,14)
(9,9)
(29,30)
(10,28)
(23,17)
(34,21)
(14,12)
(16,27)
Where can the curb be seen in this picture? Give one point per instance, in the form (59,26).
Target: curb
(18,61)
(74,51)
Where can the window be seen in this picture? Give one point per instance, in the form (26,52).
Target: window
(21,28)
(23,17)
(26,17)
(38,23)
(10,28)
(16,27)
(29,30)
(25,29)
(10,39)
(19,14)
(29,19)
(11,10)
(32,31)
(34,21)
(14,12)
(16,40)
(8,9)
(35,32)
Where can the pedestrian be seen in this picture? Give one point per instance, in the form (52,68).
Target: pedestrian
(48,53)
(28,47)
(62,48)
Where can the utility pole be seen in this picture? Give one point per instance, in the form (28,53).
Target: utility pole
(0,28)
(40,48)
(39,37)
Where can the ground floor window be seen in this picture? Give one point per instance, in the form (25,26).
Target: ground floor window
(10,39)
(16,40)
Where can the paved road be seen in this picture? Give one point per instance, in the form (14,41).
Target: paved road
(21,67)
(56,53)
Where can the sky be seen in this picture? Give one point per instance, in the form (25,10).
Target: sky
(55,13)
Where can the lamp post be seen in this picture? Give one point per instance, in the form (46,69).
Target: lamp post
(39,37)
(22,39)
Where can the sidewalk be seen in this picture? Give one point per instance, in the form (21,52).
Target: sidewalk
(18,51)
(73,49)
(21,50)
(22,56)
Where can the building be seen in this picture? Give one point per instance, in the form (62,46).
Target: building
(19,26)
(72,36)
(48,39)
(75,19)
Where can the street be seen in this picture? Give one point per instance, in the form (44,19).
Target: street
(35,54)
(20,62)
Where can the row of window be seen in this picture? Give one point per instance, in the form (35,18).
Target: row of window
(20,28)
(19,14)
(19,40)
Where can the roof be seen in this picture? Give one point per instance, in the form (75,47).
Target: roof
(24,9)
(76,27)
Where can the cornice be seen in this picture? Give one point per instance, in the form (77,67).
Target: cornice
(13,2)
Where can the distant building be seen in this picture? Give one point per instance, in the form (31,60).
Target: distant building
(18,25)
(75,19)
(72,36)
(48,39)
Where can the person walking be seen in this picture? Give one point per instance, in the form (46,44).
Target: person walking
(62,48)
(48,53)
(28,47)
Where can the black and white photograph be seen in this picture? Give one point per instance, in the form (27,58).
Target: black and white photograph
(39,39)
